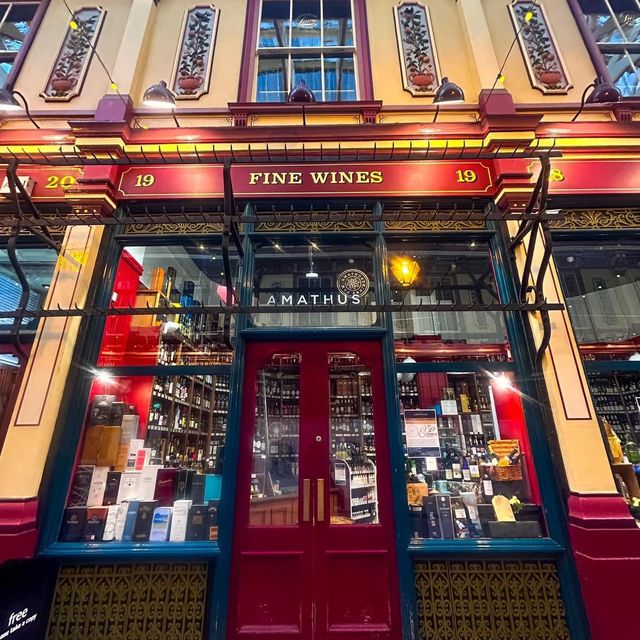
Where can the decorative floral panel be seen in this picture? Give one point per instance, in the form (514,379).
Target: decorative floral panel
(547,70)
(192,69)
(72,63)
(129,601)
(418,58)
(481,599)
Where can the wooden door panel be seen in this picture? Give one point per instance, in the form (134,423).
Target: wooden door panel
(358,588)
(271,600)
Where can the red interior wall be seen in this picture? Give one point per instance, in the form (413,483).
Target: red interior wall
(512,425)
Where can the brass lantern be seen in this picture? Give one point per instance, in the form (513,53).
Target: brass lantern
(405,270)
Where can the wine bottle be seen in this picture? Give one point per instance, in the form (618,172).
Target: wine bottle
(455,465)
(487,486)
(466,470)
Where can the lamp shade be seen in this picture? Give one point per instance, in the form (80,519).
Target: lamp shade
(8,101)
(405,270)
(159,96)
(604,92)
(448,92)
(301,93)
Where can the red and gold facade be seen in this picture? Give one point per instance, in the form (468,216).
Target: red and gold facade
(512,151)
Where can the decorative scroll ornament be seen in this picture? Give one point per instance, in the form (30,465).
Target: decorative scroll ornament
(418,58)
(547,70)
(72,63)
(192,69)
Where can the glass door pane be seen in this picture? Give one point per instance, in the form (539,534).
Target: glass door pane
(276,439)
(354,490)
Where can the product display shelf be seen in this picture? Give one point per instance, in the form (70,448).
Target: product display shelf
(359,488)
(617,399)
(351,419)
(188,414)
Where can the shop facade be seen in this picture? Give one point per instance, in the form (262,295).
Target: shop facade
(326,369)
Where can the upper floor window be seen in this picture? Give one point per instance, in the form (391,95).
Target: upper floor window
(615,25)
(309,40)
(15,23)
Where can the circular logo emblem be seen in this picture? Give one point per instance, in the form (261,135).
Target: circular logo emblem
(353,282)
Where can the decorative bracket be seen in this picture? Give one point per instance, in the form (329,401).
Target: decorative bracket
(532,228)
(418,58)
(72,62)
(547,70)
(192,68)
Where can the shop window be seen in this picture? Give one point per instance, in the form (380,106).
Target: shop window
(469,468)
(307,285)
(615,27)
(187,275)
(601,283)
(310,41)
(38,265)
(16,20)
(451,274)
(150,462)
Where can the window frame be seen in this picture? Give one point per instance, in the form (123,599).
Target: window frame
(20,55)
(598,51)
(247,88)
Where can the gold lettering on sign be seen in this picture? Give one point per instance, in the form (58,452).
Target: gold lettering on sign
(272,178)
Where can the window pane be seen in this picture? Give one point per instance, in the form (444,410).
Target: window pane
(291,280)
(16,26)
(274,24)
(5,70)
(354,487)
(339,79)
(601,284)
(150,464)
(276,438)
(272,83)
(338,25)
(466,444)
(305,31)
(38,265)
(624,72)
(601,21)
(445,274)
(188,275)
(309,70)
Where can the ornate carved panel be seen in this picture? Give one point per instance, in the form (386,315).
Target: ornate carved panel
(418,57)
(192,68)
(179,228)
(72,62)
(293,227)
(547,70)
(599,219)
(129,601)
(434,225)
(479,599)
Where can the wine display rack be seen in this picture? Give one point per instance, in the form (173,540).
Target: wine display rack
(617,399)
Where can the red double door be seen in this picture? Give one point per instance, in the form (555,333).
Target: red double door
(314,552)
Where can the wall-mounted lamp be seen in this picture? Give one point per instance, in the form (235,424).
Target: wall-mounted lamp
(448,92)
(301,94)
(405,270)
(9,103)
(603,93)
(159,97)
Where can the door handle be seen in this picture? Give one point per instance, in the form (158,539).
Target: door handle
(306,500)
(320,489)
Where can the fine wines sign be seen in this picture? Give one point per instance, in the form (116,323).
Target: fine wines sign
(430,178)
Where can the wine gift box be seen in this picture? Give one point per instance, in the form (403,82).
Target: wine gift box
(144,520)
(197,523)
(95,524)
(80,486)
(73,523)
